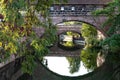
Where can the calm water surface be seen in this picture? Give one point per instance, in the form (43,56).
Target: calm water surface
(61,65)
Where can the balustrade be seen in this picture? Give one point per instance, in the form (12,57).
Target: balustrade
(73,10)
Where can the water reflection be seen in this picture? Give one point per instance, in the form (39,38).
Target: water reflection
(68,66)
(74,64)
(90,58)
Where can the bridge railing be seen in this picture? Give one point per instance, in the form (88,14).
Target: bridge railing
(73,10)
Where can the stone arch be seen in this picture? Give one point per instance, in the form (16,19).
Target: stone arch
(97,73)
(104,72)
(94,21)
(96,27)
(60,32)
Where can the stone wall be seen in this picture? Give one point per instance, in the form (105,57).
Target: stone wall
(8,70)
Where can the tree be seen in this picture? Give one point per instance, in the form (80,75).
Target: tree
(88,30)
(88,57)
(74,64)
(89,53)
(17,36)
(89,33)
(112,43)
(112,11)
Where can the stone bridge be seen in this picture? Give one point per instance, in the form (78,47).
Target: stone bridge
(60,29)
(74,10)
(94,21)
(64,28)
(57,51)
(78,10)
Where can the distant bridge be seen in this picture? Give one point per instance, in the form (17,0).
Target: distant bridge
(65,28)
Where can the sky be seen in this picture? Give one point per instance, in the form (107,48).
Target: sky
(60,65)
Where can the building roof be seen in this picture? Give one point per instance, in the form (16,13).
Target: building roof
(88,1)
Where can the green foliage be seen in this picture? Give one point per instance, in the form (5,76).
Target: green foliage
(88,57)
(72,23)
(74,64)
(112,11)
(113,43)
(88,30)
(16,32)
(29,64)
(70,33)
(70,43)
(89,53)
(90,34)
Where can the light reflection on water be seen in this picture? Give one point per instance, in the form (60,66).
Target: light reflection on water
(60,65)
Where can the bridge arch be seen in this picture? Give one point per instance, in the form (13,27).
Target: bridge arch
(91,20)
(76,21)
(97,73)
(104,72)
(42,71)
(65,29)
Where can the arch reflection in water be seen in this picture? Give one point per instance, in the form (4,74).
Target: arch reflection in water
(65,66)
